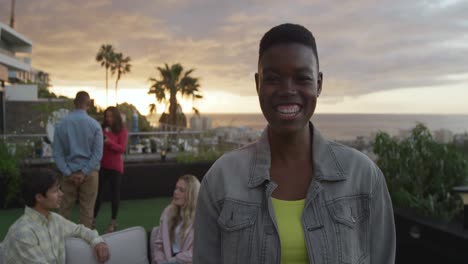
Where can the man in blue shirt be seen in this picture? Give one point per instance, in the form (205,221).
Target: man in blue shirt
(78,145)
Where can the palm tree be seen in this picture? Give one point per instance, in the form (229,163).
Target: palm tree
(121,66)
(106,56)
(174,80)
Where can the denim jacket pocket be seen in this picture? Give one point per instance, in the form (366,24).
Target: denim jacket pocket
(350,217)
(236,222)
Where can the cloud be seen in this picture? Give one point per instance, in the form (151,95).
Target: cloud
(364,46)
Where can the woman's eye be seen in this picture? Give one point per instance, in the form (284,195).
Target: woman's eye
(304,78)
(270,78)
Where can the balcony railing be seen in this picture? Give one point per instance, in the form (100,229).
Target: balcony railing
(7,52)
(142,146)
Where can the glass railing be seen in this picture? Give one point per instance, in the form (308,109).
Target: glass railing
(142,146)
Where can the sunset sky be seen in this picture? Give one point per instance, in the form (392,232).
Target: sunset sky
(376,56)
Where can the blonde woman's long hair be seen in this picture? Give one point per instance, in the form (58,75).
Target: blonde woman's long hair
(186,214)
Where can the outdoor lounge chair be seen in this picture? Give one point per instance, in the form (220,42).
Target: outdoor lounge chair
(128,246)
(125,246)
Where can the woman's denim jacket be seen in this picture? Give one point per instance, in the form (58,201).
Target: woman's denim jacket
(347,217)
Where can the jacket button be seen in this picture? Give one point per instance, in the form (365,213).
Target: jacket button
(310,229)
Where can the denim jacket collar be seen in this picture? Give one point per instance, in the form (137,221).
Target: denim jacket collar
(326,165)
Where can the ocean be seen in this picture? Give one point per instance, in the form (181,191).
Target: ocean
(350,126)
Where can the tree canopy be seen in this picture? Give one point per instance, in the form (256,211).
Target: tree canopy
(174,80)
(421,172)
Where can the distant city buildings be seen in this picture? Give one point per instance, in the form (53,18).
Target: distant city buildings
(404,133)
(461,139)
(237,135)
(198,122)
(443,136)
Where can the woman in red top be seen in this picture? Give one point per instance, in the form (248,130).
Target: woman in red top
(115,143)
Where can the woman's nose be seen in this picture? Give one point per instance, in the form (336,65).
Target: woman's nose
(288,87)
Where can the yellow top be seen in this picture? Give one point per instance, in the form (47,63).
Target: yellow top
(288,218)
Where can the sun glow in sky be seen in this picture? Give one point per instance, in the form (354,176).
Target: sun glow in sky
(377,57)
(444,100)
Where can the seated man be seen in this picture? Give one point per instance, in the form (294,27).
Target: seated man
(38,236)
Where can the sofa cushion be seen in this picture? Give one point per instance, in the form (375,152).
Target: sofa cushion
(1,253)
(125,246)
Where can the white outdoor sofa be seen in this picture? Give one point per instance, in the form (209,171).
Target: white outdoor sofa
(128,246)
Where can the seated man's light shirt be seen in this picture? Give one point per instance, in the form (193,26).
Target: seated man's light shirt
(291,234)
(34,238)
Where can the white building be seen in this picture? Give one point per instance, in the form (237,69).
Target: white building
(404,133)
(200,122)
(443,136)
(460,139)
(15,56)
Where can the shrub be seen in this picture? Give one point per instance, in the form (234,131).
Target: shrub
(421,173)
(208,155)
(10,175)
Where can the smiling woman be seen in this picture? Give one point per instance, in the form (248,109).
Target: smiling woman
(288,84)
(293,196)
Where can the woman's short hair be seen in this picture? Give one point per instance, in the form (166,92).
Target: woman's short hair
(288,33)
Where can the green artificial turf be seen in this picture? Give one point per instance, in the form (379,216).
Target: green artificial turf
(144,213)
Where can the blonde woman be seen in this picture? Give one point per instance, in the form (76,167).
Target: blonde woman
(172,240)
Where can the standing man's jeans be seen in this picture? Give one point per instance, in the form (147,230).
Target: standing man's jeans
(86,193)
